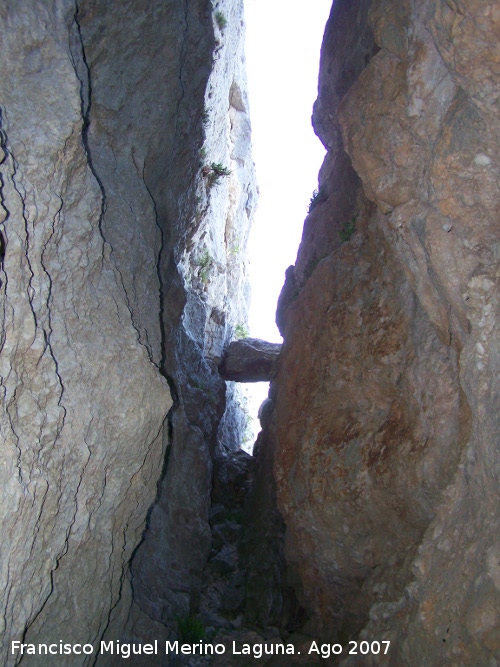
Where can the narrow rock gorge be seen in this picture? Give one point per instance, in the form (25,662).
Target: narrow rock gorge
(369,514)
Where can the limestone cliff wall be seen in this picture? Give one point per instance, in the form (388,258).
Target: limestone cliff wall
(122,275)
(206,300)
(386,451)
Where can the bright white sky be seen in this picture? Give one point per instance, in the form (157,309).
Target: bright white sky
(283,42)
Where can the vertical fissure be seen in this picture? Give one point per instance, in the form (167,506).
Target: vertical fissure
(83,73)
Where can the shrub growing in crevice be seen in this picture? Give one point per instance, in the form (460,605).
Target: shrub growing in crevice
(215,171)
(348,229)
(241,331)
(191,630)
(205,263)
(221,20)
(311,266)
(318,196)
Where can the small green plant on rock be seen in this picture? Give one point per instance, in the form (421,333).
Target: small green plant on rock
(221,19)
(199,385)
(205,260)
(235,248)
(241,331)
(313,201)
(248,435)
(191,630)
(317,197)
(311,266)
(219,169)
(215,171)
(235,515)
(348,229)
(205,263)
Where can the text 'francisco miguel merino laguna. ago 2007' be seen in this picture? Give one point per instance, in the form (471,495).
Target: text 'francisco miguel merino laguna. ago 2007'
(125,650)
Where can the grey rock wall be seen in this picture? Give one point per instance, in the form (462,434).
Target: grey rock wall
(83,401)
(123,275)
(209,298)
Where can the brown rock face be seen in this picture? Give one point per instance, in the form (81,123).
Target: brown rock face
(386,459)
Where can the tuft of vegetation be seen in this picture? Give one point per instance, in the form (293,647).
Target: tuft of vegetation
(241,331)
(196,384)
(248,432)
(313,201)
(235,515)
(205,116)
(220,169)
(317,197)
(221,19)
(191,630)
(311,266)
(348,229)
(205,263)
(235,248)
(215,171)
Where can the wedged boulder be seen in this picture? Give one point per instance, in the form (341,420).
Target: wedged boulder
(250,360)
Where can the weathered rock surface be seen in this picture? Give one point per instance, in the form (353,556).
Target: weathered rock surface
(207,299)
(267,602)
(126,192)
(122,273)
(250,360)
(387,425)
(83,401)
